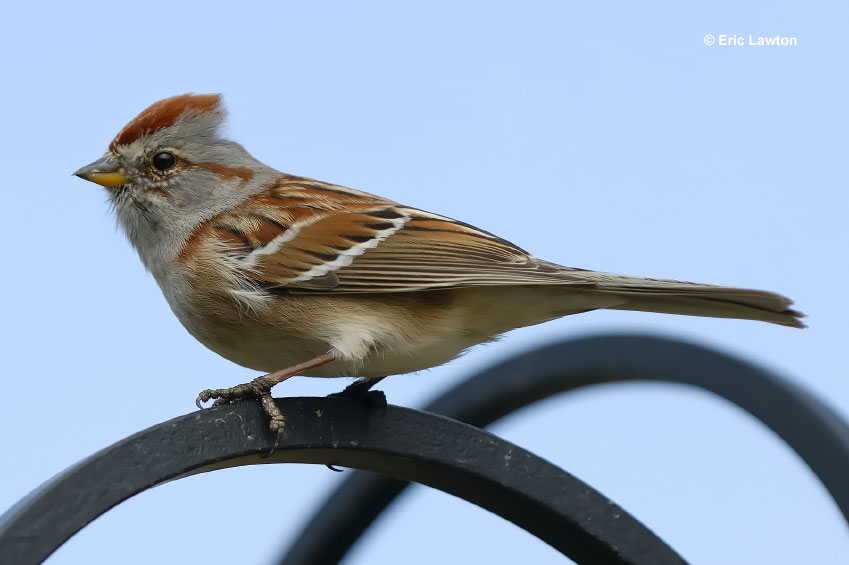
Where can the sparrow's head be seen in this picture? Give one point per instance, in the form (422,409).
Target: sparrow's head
(168,170)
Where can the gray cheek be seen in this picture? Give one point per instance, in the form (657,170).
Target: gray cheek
(193,188)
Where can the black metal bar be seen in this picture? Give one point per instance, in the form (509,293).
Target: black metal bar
(810,427)
(415,446)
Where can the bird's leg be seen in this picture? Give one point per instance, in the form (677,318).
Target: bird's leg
(260,388)
(358,388)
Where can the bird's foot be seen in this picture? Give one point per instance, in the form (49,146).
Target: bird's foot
(260,388)
(360,390)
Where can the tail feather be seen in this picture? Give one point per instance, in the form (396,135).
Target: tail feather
(693,299)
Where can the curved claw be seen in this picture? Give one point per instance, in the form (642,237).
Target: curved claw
(202,397)
(222,397)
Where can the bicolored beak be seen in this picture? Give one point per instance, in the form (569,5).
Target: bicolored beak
(104,172)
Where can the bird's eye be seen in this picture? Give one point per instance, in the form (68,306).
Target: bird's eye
(163,160)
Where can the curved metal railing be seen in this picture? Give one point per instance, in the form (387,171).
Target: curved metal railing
(414,446)
(457,458)
(810,427)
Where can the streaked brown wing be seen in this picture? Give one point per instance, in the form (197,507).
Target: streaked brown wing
(431,252)
(305,235)
(311,255)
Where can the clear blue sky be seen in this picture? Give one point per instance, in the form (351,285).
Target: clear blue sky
(595,136)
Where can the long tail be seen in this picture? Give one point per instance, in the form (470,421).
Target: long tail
(693,299)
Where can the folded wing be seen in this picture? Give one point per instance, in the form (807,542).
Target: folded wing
(307,236)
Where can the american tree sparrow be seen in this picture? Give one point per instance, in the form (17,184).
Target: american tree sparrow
(290,275)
